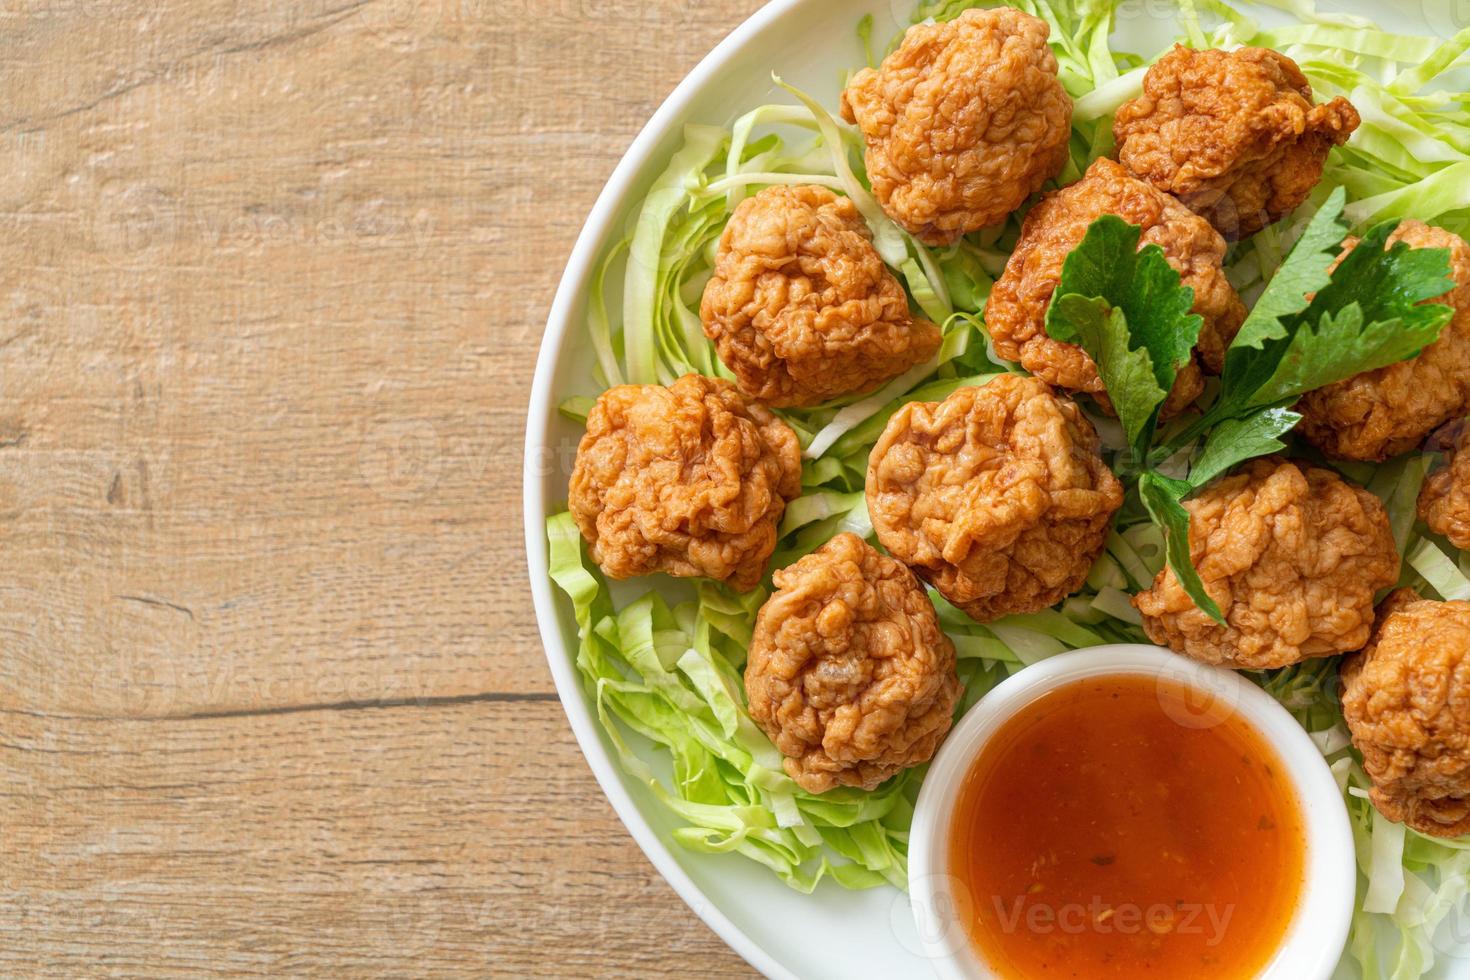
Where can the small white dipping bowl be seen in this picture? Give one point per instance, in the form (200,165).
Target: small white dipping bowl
(1313,943)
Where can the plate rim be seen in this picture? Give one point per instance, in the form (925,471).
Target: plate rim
(541,411)
(541,407)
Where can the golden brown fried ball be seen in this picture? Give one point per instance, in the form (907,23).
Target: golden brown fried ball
(1392,410)
(1232,134)
(1016,312)
(1406,699)
(1444,503)
(849,673)
(997,495)
(688,480)
(801,308)
(963,122)
(1292,554)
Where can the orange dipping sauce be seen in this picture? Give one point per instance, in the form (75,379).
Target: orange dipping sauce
(1110,830)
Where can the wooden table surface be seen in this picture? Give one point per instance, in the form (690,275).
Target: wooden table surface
(272,280)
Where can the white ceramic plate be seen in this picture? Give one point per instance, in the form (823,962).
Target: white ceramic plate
(833,933)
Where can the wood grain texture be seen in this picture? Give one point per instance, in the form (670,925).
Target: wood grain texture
(272,281)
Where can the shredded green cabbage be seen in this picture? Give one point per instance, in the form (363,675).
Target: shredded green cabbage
(666,678)
(671,674)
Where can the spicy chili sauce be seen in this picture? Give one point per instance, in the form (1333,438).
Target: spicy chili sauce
(1111,830)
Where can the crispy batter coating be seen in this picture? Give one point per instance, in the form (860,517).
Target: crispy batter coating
(1232,134)
(1392,410)
(996,495)
(1444,503)
(1406,699)
(1016,312)
(1293,555)
(801,308)
(849,672)
(688,480)
(963,122)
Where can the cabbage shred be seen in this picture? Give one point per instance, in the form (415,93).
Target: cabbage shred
(666,677)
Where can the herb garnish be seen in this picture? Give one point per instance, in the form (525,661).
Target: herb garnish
(1311,327)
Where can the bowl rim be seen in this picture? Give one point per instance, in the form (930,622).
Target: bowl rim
(1318,934)
(540,410)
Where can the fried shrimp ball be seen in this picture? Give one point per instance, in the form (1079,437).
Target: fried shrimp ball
(1406,699)
(1392,410)
(1016,312)
(688,480)
(1292,554)
(997,495)
(849,672)
(801,308)
(1232,134)
(963,122)
(1444,503)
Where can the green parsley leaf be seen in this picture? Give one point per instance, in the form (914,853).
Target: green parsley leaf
(1237,440)
(1342,346)
(1128,310)
(1109,266)
(1163,498)
(1387,281)
(1302,274)
(1368,315)
(1255,351)
(1103,333)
